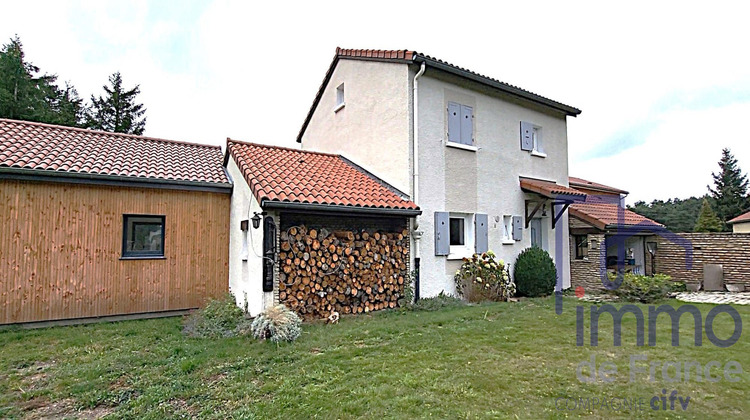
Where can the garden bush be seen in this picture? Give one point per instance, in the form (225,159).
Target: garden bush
(645,289)
(219,318)
(482,278)
(534,273)
(277,323)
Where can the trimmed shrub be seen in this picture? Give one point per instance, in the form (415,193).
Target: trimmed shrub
(534,273)
(482,278)
(645,289)
(219,318)
(277,323)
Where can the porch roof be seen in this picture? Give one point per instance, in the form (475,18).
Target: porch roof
(606,215)
(551,189)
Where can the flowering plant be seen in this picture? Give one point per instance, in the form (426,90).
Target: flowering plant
(483,277)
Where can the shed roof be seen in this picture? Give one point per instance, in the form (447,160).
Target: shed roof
(280,177)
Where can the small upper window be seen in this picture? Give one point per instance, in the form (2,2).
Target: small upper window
(143,236)
(339,97)
(536,139)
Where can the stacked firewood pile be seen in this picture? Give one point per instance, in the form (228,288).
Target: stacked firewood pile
(345,271)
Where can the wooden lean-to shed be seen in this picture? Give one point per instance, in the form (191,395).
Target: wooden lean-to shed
(97,224)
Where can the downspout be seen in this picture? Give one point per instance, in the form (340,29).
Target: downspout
(415,176)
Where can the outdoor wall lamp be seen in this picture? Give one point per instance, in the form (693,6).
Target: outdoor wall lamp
(651,247)
(544,210)
(256,219)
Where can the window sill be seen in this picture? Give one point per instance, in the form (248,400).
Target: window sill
(509,242)
(339,107)
(452,257)
(462,146)
(144,258)
(538,154)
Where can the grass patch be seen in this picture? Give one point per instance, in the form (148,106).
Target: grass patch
(490,360)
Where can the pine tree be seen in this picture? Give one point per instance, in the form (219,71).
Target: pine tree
(117,111)
(730,188)
(707,219)
(23,94)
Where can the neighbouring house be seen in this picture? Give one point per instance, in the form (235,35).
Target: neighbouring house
(604,235)
(315,232)
(487,162)
(741,223)
(96,224)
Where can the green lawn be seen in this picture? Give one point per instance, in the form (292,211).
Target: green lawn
(495,360)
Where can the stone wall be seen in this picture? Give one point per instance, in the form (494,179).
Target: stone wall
(731,250)
(585,272)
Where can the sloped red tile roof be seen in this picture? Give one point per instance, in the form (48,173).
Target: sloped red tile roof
(602,215)
(52,149)
(549,189)
(280,174)
(740,219)
(409,56)
(582,183)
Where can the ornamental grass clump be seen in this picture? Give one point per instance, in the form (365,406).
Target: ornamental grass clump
(484,278)
(277,324)
(219,318)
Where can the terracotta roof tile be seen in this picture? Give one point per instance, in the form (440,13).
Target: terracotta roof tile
(46,148)
(550,189)
(582,183)
(297,176)
(740,219)
(602,215)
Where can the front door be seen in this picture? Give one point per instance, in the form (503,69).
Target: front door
(536,233)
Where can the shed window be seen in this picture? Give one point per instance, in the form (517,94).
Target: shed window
(142,236)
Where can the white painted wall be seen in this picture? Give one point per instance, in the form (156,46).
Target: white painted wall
(372,129)
(245,274)
(485,181)
(741,227)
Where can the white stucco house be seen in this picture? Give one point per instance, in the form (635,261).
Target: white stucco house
(486,162)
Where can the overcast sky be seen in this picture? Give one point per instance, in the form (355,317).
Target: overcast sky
(663,86)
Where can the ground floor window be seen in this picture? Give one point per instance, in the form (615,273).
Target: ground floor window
(582,246)
(142,236)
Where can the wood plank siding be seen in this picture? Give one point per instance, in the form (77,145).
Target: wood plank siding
(60,249)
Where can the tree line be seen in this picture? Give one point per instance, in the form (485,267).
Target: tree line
(30,95)
(725,200)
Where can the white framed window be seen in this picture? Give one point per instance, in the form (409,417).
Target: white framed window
(461,233)
(536,140)
(508,230)
(339,98)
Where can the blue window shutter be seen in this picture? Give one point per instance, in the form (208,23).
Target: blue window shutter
(454,122)
(527,130)
(481,240)
(517,228)
(442,233)
(467,125)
